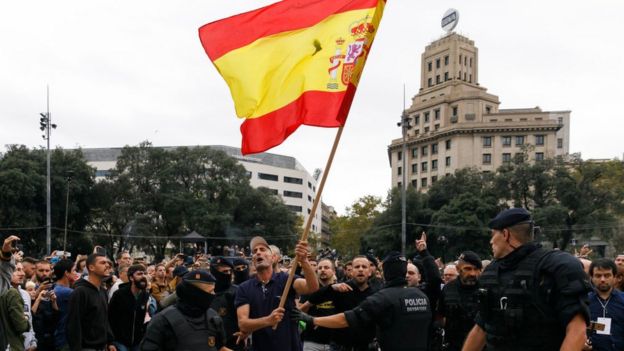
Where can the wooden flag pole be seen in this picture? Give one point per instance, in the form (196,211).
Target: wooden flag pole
(306,231)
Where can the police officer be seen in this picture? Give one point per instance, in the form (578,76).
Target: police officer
(530,298)
(459,303)
(402,314)
(221,268)
(190,324)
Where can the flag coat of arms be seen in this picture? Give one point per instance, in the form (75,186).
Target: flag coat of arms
(291,63)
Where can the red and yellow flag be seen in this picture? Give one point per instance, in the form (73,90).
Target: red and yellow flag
(291,63)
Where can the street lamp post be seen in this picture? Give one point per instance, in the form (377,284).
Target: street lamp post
(45,123)
(69,177)
(405,126)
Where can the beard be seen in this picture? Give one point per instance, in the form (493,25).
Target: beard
(470,281)
(604,287)
(140,284)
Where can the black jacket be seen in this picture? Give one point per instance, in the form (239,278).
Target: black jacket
(87,318)
(126,314)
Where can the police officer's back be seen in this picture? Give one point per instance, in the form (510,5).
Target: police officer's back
(531,298)
(190,324)
(402,314)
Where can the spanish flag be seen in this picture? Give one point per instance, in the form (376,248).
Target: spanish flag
(291,63)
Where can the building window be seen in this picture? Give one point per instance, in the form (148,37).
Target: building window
(438,79)
(295,208)
(506,157)
(399,155)
(460,59)
(266,176)
(507,141)
(519,140)
(539,156)
(446,76)
(273,191)
(447,162)
(293,180)
(438,63)
(415,152)
(423,151)
(309,198)
(488,110)
(434,179)
(399,185)
(465,76)
(434,165)
(560,143)
(423,182)
(429,82)
(459,76)
(446,60)
(295,194)
(423,166)
(429,66)
(399,170)
(470,78)
(414,183)
(415,168)
(436,114)
(454,110)
(426,117)
(487,141)
(539,140)
(436,127)
(426,129)
(465,60)
(487,159)
(434,149)
(448,144)
(417,119)
(471,62)
(309,185)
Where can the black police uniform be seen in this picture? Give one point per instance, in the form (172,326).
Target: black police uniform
(402,314)
(459,305)
(172,330)
(223,304)
(528,297)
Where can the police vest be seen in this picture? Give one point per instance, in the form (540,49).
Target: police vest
(223,304)
(192,336)
(515,307)
(461,311)
(407,327)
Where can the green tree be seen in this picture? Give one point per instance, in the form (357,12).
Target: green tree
(385,233)
(23,196)
(348,229)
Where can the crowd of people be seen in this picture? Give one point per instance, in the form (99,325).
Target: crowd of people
(526,298)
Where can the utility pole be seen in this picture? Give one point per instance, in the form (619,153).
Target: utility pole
(405,126)
(45,123)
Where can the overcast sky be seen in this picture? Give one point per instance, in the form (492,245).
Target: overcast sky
(121,72)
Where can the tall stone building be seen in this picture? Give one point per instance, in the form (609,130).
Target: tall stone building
(454,122)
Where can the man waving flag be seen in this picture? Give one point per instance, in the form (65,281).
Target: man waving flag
(291,63)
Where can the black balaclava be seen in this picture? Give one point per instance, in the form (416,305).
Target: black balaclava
(224,281)
(192,301)
(241,276)
(394,269)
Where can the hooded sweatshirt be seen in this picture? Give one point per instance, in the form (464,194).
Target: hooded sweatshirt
(87,319)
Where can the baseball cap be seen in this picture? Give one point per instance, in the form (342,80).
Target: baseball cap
(258,240)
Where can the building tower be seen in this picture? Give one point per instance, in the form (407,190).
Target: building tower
(455,123)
